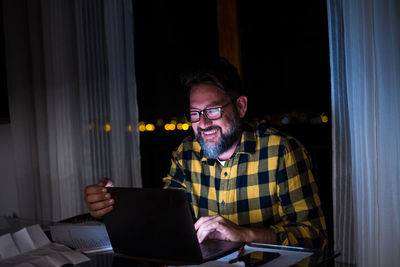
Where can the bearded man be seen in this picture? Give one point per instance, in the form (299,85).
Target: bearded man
(245,183)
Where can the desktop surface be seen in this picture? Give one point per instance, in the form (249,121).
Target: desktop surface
(315,258)
(108,259)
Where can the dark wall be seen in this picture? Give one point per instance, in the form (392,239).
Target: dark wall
(169,37)
(285,59)
(285,46)
(285,56)
(285,53)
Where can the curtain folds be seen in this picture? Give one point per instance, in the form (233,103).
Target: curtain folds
(72,101)
(365,67)
(341,159)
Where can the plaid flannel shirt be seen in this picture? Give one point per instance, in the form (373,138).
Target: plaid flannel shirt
(266,183)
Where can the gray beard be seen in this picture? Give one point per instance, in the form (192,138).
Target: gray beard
(226,141)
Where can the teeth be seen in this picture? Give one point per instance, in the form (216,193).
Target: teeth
(210,132)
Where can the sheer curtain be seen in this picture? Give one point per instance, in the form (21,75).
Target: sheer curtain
(72,90)
(365,67)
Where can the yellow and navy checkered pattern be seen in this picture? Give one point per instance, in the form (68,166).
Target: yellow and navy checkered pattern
(266,183)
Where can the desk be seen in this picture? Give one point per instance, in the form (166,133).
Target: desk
(316,259)
(108,259)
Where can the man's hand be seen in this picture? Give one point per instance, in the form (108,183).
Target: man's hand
(97,199)
(217,227)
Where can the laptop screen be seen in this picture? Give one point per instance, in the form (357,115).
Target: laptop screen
(154,223)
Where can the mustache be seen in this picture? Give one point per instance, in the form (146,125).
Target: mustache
(208,129)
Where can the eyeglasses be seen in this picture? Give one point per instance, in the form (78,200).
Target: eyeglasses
(208,113)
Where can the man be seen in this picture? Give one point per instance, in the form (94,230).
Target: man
(244,184)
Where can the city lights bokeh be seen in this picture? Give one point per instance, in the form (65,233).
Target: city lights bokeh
(176,125)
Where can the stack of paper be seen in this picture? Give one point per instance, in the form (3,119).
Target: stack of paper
(31,245)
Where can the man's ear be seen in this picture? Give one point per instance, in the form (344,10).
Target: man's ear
(241,105)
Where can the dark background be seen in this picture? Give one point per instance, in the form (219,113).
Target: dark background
(284,51)
(285,70)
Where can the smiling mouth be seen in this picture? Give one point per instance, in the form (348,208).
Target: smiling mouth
(213,131)
(209,131)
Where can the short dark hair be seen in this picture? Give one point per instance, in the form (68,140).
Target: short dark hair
(219,73)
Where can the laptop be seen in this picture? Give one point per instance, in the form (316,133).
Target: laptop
(155,224)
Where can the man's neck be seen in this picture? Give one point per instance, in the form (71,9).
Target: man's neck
(228,154)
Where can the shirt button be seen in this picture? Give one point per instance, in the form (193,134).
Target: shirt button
(225,173)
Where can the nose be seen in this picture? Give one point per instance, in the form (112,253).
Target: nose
(203,122)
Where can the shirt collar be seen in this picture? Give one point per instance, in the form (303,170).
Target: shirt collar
(247,143)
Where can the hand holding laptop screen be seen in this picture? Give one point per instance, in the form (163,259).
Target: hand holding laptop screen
(97,198)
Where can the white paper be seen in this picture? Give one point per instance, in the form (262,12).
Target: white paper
(23,240)
(31,247)
(52,255)
(47,261)
(73,256)
(14,261)
(37,235)
(7,247)
(29,261)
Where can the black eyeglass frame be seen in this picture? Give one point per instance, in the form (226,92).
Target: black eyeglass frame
(202,112)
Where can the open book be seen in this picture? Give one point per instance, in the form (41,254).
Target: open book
(31,245)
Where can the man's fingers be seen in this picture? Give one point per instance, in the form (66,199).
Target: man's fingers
(217,227)
(96,197)
(101,205)
(94,189)
(100,213)
(211,226)
(211,230)
(202,235)
(203,220)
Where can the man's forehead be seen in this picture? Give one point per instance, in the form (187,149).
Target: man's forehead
(205,102)
(210,104)
(207,92)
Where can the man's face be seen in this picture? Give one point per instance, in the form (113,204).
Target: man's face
(214,136)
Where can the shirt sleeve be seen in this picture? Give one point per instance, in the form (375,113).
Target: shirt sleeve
(303,222)
(175,179)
